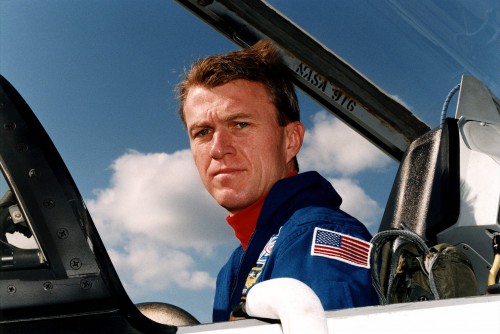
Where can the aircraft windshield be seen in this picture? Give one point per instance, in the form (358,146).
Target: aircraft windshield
(410,49)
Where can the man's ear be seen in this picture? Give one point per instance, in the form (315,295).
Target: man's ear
(295,138)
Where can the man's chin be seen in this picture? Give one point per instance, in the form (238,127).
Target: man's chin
(231,203)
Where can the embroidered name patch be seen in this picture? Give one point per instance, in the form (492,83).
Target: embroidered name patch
(341,247)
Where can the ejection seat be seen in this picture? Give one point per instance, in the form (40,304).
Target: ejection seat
(447,188)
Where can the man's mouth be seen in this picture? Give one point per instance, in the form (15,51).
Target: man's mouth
(226,171)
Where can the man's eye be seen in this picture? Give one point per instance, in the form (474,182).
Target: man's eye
(242,125)
(202,132)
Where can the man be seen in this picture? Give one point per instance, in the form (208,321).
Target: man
(243,122)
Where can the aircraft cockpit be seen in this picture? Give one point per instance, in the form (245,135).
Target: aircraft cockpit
(53,263)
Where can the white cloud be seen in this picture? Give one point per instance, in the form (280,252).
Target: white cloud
(331,147)
(155,217)
(156,266)
(160,196)
(356,202)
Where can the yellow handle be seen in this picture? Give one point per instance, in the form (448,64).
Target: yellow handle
(492,277)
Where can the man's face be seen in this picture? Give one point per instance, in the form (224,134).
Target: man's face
(238,147)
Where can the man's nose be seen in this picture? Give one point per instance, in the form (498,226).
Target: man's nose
(221,144)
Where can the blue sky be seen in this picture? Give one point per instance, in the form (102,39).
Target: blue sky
(100,76)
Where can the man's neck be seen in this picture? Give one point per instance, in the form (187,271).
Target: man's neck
(244,222)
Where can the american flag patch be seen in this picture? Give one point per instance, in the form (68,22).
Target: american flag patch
(342,247)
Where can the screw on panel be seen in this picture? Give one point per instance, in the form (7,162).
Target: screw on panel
(34,173)
(85,284)
(10,126)
(47,286)
(75,263)
(11,289)
(49,203)
(62,233)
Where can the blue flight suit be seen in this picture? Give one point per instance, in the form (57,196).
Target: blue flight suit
(297,213)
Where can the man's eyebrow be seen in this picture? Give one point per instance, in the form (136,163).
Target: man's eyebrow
(197,125)
(224,118)
(234,116)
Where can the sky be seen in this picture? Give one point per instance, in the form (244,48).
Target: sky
(101,74)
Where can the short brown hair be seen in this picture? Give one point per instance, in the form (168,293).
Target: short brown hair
(261,62)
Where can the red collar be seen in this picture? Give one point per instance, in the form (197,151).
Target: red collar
(245,221)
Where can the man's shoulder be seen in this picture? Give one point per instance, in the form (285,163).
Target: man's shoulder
(310,217)
(314,213)
(312,228)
